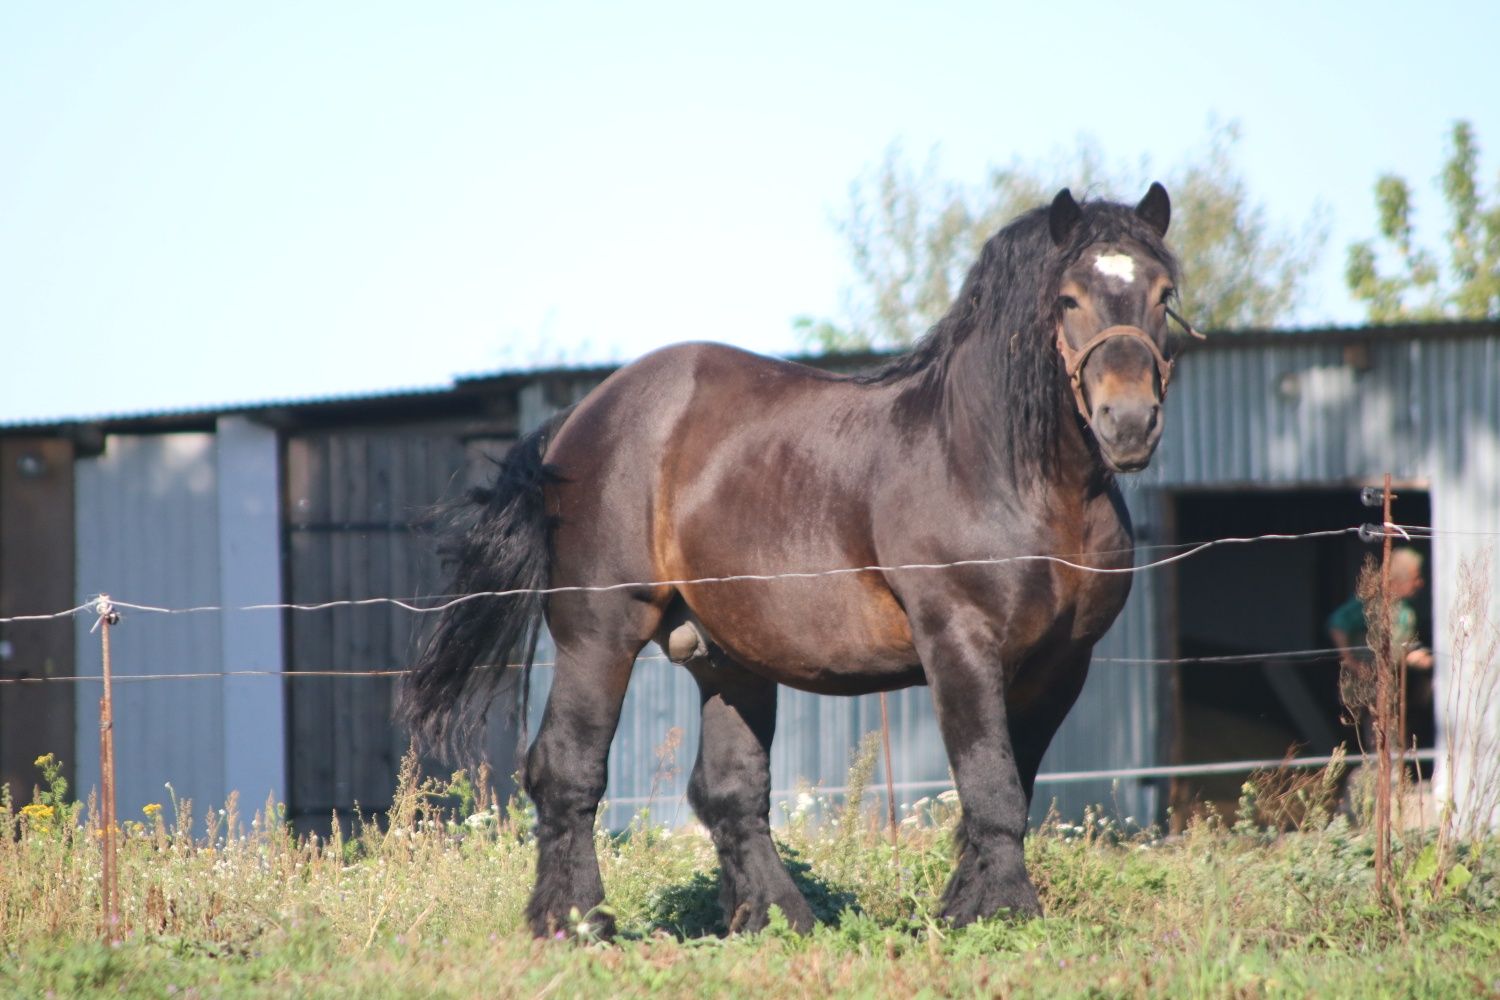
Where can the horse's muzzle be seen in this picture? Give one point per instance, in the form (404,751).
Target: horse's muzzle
(1127,431)
(1126,426)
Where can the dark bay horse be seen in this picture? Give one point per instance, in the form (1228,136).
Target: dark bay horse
(998,435)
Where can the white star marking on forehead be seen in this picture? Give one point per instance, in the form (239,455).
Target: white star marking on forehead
(1116,265)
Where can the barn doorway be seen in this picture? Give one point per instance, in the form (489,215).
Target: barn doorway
(1261,601)
(356,499)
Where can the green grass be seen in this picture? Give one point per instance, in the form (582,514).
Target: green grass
(432,906)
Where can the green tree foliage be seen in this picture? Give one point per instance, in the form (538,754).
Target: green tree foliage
(1420,288)
(912,236)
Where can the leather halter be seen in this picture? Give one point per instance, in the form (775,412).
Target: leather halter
(1074,360)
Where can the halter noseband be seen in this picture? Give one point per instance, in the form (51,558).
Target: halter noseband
(1074,360)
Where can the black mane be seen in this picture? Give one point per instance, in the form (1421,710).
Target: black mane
(1008,300)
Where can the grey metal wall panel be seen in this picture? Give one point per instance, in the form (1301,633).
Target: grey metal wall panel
(250,573)
(1464,452)
(1302,414)
(147,530)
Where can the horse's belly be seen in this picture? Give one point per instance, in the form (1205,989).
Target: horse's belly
(829,635)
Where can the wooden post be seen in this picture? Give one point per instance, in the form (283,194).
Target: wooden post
(1383,711)
(110,890)
(890,780)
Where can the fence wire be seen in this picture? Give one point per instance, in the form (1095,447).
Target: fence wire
(105,605)
(447,601)
(1077,777)
(1288,657)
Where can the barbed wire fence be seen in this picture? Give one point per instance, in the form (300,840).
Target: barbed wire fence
(109,612)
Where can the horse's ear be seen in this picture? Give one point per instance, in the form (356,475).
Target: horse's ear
(1063,216)
(1156,208)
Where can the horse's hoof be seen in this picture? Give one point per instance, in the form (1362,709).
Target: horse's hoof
(1013,898)
(749,918)
(595,926)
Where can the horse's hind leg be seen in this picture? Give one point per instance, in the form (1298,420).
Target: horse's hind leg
(566,772)
(731,792)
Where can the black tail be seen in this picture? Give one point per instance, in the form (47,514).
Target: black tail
(496,539)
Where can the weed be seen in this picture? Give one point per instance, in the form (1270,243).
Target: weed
(1290,798)
(852,819)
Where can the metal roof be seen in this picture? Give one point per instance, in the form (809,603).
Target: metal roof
(197,417)
(463,393)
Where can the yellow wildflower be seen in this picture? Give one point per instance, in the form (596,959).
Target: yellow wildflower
(151,809)
(37,812)
(43,760)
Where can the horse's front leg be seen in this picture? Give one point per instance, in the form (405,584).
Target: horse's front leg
(968,688)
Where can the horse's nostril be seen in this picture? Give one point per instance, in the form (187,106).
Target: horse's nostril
(1155,416)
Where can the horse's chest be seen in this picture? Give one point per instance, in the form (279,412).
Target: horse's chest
(1086,605)
(1097,603)
(1090,590)
(1098,592)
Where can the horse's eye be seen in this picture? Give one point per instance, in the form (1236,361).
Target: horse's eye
(1067,302)
(1167,293)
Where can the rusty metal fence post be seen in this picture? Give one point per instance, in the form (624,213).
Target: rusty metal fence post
(110,885)
(1384,708)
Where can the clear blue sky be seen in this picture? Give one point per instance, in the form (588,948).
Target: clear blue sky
(206,203)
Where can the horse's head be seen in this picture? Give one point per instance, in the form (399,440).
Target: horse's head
(1111,316)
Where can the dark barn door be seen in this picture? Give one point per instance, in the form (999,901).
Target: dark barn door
(36,577)
(355,501)
(1259,602)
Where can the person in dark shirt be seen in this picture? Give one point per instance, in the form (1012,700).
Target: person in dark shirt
(1349,631)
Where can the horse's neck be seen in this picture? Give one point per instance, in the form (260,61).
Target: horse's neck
(1072,497)
(981,426)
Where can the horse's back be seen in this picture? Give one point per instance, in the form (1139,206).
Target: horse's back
(656,437)
(701,460)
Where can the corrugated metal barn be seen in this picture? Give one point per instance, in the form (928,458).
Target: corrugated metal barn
(321,501)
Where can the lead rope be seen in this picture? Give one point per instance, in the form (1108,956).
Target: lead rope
(1191,330)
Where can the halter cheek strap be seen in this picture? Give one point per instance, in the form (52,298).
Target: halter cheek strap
(1074,360)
